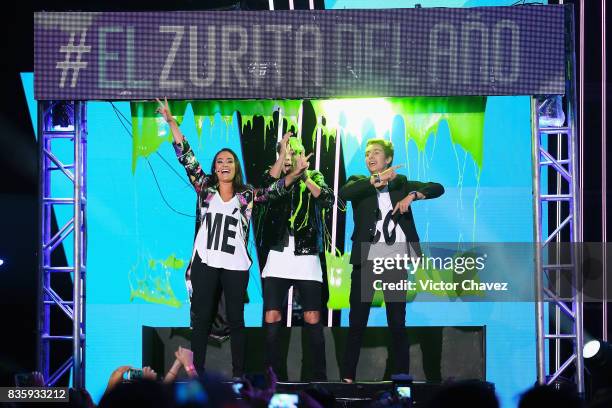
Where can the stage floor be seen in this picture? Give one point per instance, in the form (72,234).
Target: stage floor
(437,354)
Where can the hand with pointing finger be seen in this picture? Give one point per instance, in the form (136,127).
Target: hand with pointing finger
(390,173)
(403,204)
(385,177)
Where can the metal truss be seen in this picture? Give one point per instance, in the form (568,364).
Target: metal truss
(61,123)
(554,265)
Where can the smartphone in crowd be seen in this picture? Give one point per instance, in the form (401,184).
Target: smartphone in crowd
(284,401)
(133,374)
(237,386)
(403,391)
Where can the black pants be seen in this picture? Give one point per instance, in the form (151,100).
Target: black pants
(358,320)
(205,281)
(275,298)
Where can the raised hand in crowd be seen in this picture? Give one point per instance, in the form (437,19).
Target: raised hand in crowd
(116,377)
(260,398)
(185,356)
(149,374)
(173,371)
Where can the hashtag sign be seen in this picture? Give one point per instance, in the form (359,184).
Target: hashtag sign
(69,64)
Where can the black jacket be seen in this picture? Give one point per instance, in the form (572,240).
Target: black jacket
(362,195)
(308,223)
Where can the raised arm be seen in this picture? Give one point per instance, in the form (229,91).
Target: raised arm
(277,167)
(358,187)
(184,153)
(314,181)
(281,187)
(270,192)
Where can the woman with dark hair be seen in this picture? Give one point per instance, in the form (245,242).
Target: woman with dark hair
(220,258)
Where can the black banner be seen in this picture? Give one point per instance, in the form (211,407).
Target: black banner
(300,54)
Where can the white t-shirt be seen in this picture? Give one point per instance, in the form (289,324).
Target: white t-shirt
(385,244)
(386,209)
(220,241)
(288,265)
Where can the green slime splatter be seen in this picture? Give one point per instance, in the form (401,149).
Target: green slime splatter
(153,286)
(421,116)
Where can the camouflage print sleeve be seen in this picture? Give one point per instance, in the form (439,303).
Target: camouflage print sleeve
(186,157)
(272,192)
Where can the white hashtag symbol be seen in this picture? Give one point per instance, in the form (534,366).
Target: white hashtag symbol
(75,65)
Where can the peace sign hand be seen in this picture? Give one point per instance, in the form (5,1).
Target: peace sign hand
(284,143)
(164,110)
(301,164)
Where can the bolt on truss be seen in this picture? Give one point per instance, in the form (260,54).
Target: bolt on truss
(61,123)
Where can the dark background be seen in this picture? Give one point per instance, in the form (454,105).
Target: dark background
(19,166)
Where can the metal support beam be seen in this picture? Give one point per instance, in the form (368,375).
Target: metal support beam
(548,263)
(51,156)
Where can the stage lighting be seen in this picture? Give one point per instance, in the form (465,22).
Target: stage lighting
(1,262)
(598,363)
(597,353)
(591,348)
(62,116)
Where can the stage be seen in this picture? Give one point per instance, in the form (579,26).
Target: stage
(437,354)
(452,126)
